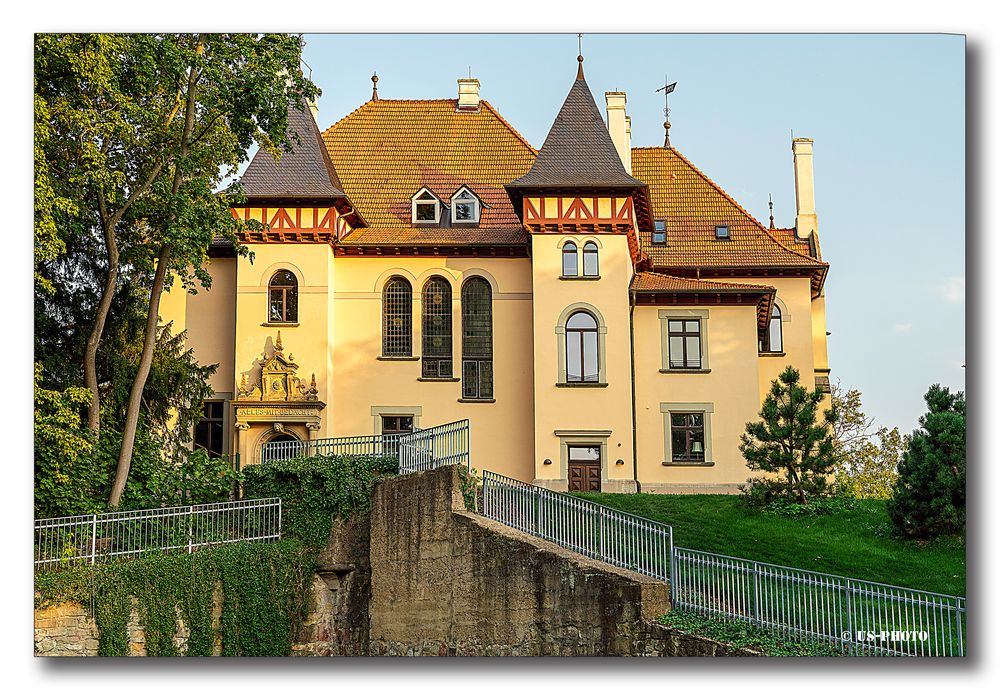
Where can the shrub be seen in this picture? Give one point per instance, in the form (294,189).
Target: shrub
(315,490)
(929,496)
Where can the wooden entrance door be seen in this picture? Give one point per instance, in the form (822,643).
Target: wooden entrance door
(584,468)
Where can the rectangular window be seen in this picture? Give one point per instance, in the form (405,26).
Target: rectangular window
(425,211)
(208,432)
(395,425)
(660,232)
(687,436)
(684,343)
(722,232)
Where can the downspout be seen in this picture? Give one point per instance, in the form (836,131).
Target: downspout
(631,347)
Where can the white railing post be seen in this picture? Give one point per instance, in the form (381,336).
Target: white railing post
(190,526)
(93,540)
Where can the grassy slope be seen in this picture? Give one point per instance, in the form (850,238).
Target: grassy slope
(849,544)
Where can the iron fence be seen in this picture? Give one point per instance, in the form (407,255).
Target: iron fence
(345,445)
(855,616)
(77,539)
(609,535)
(437,446)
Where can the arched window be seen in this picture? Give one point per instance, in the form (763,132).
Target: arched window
(436,349)
(477,339)
(569,260)
(397,305)
(590,259)
(582,364)
(283,298)
(774,331)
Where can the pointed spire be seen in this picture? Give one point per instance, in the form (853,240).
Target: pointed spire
(579,57)
(374,86)
(667,89)
(277,343)
(770,208)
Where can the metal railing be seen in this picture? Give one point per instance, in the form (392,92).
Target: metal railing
(609,535)
(77,539)
(345,445)
(437,446)
(856,616)
(860,617)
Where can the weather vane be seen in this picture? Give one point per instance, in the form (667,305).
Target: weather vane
(667,89)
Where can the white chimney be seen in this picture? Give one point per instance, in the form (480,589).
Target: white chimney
(618,127)
(468,94)
(805,193)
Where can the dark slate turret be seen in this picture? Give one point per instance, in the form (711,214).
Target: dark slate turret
(578,152)
(304,173)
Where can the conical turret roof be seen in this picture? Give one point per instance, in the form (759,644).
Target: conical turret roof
(578,151)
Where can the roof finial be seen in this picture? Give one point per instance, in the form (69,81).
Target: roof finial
(770,208)
(277,343)
(579,57)
(375,86)
(667,89)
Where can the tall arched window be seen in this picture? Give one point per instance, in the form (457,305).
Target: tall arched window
(477,339)
(569,260)
(436,349)
(283,298)
(582,364)
(590,259)
(774,331)
(397,305)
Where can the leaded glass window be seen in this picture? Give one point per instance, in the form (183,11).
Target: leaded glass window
(397,303)
(436,349)
(477,339)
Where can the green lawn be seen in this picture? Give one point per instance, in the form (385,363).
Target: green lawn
(852,543)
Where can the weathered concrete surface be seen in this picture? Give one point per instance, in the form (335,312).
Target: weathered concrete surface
(448,582)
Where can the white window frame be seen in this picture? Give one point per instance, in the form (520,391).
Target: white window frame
(415,200)
(477,205)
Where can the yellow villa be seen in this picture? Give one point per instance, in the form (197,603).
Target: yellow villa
(607,317)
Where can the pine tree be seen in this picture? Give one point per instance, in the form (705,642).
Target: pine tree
(789,440)
(929,496)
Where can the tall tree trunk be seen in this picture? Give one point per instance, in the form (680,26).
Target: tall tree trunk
(97,331)
(153,313)
(145,364)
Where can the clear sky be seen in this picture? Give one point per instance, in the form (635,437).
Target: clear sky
(887,113)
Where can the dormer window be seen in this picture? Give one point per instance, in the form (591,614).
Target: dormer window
(464,206)
(426,207)
(660,232)
(722,232)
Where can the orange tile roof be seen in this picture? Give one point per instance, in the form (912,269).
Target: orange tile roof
(693,205)
(386,150)
(659,282)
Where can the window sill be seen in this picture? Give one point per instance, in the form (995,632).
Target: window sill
(477,400)
(685,371)
(280,324)
(770,354)
(383,358)
(579,277)
(677,463)
(581,384)
(429,380)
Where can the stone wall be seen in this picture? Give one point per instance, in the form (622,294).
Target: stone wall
(446,582)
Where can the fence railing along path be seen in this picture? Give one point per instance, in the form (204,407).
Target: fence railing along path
(76,539)
(345,445)
(437,446)
(855,616)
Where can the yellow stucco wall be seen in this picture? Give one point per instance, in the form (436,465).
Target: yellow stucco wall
(559,410)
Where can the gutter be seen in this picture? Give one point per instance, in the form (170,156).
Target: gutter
(631,348)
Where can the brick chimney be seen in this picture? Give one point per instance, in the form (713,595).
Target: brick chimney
(618,127)
(805,193)
(468,95)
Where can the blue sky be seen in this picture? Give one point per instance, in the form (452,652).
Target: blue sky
(887,114)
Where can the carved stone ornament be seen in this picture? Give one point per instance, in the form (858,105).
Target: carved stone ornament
(277,379)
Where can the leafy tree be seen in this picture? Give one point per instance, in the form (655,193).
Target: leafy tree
(929,496)
(141,129)
(866,458)
(789,440)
